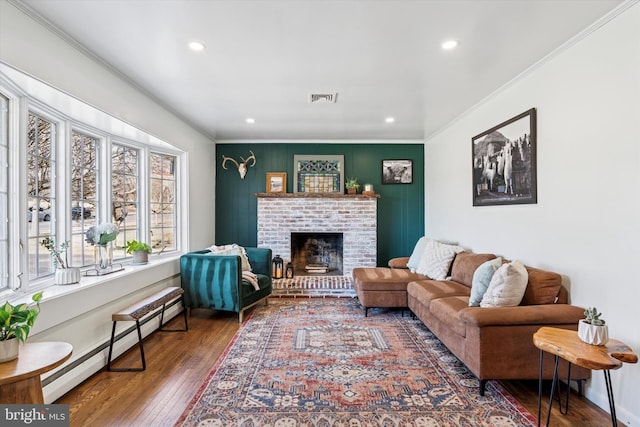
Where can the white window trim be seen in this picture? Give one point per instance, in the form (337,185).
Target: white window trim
(143,186)
(27,94)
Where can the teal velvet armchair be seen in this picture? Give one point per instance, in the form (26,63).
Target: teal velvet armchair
(215,281)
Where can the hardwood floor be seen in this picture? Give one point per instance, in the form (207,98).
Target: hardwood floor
(177,364)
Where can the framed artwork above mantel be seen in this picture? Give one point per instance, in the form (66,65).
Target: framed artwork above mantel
(276,182)
(318,174)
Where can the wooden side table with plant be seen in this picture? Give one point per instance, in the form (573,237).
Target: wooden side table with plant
(20,367)
(20,378)
(571,346)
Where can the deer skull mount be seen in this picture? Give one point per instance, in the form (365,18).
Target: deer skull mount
(242,166)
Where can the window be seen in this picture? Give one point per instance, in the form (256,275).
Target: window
(40,193)
(163,201)
(84,195)
(4,193)
(125,200)
(65,167)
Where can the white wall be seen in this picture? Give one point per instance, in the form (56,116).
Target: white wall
(586,224)
(82,317)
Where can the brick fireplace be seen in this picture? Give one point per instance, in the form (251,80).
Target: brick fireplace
(354,216)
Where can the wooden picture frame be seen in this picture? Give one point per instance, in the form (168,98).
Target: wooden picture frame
(276,182)
(504,162)
(397,171)
(318,174)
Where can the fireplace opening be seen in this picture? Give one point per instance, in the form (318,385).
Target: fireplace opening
(316,253)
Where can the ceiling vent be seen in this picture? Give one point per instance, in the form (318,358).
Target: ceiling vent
(323,98)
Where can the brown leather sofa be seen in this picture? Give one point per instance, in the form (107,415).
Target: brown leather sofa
(493,342)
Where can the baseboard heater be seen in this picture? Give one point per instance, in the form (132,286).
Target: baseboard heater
(105,345)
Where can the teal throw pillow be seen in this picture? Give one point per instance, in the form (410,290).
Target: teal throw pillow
(481,279)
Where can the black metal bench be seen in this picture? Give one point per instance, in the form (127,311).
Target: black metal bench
(140,309)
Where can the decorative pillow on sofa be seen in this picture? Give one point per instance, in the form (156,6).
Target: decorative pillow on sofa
(416,255)
(543,287)
(465,264)
(507,286)
(233,249)
(481,279)
(436,259)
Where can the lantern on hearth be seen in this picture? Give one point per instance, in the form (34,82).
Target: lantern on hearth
(289,271)
(278,267)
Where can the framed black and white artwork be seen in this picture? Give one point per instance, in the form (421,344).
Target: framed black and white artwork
(397,171)
(504,162)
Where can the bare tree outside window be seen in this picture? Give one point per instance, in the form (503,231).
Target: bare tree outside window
(84,195)
(125,200)
(163,201)
(40,193)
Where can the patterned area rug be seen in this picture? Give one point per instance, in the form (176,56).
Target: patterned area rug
(314,286)
(320,362)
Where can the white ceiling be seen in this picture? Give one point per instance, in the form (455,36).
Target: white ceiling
(263,58)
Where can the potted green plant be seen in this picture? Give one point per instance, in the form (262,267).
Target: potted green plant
(139,250)
(65,275)
(15,324)
(352,185)
(592,328)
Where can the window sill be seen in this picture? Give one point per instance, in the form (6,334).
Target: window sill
(61,303)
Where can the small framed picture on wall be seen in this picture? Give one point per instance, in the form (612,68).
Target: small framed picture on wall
(276,182)
(397,171)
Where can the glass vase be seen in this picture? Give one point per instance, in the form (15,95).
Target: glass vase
(104,256)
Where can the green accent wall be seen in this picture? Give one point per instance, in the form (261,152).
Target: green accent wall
(400,206)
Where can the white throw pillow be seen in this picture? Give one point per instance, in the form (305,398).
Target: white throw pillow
(507,286)
(233,249)
(481,280)
(436,259)
(416,255)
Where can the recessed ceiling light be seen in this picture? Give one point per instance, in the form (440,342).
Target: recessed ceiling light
(250,120)
(196,46)
(389,120)
(450,44)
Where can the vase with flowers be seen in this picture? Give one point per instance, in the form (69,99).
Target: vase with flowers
(65,274)
(101,237)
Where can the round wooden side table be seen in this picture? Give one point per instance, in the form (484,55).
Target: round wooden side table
(20,378)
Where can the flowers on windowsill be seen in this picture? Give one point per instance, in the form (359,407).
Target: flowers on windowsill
(102,234)
(57,253)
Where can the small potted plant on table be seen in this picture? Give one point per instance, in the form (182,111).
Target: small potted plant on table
(15,324)
(140,251)
(592,328)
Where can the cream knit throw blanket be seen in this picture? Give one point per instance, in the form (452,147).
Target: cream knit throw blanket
(251,278)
